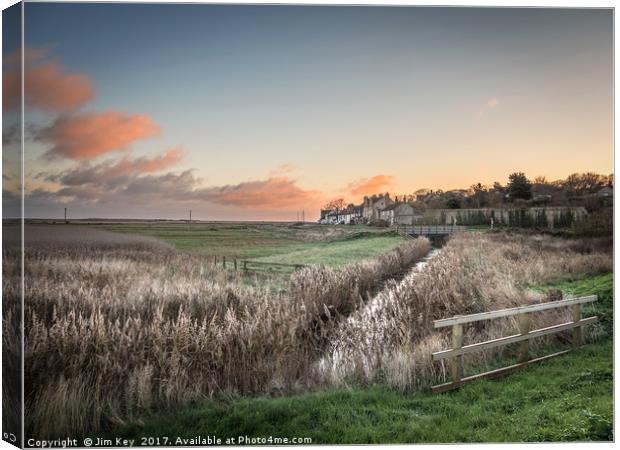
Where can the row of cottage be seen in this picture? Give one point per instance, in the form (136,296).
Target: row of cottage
(370,210)
(383,208)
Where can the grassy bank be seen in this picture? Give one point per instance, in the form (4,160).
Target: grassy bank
(569,398)
(337,253)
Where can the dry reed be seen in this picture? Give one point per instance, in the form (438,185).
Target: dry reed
(114,330)
(118,326)
(392,339)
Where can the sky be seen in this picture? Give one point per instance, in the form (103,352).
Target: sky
(260,112)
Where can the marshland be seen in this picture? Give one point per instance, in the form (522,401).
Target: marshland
(125,322)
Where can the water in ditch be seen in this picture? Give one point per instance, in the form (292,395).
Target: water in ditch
(366,318)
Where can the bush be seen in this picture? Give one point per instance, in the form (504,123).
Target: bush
(381,223)
(599,223)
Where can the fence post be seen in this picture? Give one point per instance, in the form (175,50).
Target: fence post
(457,361)
(235,264)
(224,262)
(524,328)
(245,266)
(577,337)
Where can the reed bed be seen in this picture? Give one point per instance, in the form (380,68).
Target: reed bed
(391,341)
(117,326)
(115,329)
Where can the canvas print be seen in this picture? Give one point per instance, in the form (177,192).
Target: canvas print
(306,224)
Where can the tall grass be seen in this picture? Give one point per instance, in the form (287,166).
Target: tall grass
(392,342)
(115,328)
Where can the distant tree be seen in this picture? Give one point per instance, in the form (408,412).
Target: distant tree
(519,186)
(422,192)
(479,195)
(497,186)
(540,179)
(584,183)
(337,204)
(453,203)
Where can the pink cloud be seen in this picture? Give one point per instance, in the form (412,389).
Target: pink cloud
(273,194)
(106,171)
(373,185)
(146,165)
(89,135)
(47,85)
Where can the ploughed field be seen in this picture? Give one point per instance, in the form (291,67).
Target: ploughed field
(126,320)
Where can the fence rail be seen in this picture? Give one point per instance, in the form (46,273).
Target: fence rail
(248,265)
(455,354)
(430,230)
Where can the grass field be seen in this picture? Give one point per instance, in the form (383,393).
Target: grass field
(569,398)
(334,246)
(337,253)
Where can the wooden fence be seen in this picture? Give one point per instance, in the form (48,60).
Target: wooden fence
(455,354)
(247,265)
(429,230)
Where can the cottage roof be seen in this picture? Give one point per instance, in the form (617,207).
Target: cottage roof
(390,207)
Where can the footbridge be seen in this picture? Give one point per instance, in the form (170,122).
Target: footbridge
(429,230)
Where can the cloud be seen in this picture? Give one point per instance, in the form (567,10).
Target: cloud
(491,103)
(89,135)
(273,194)
(282,169)
(145,165)
(121,192)
(369,186)
(47,84)
(108,172)
(11,135)
(175,186)
(90,193)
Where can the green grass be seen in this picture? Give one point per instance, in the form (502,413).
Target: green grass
(337,253)
(234,240)
(569,398)
(601,285)
(253,240)
(566,399)
(335,246)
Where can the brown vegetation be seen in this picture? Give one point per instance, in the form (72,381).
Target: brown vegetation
(116,329)
(474,273)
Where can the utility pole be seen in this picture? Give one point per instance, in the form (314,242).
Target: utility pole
(190,216)
(66,221)
(303,216)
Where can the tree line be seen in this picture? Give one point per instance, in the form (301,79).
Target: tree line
(578,189)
